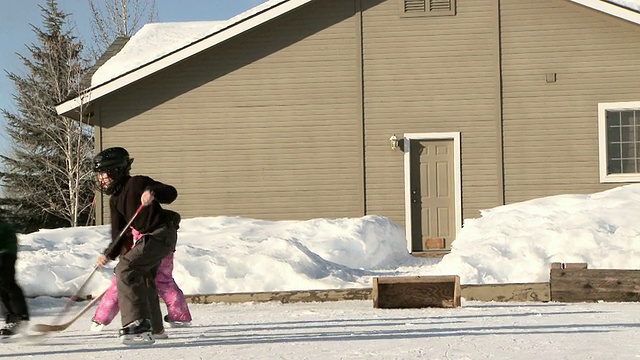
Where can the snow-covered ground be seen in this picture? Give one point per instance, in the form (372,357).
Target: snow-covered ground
(512,243)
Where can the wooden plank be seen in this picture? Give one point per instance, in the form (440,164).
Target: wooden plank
(537,292)
(416,292)
(559,265)
(283,296)
(475,292)
(590,285)
(417,279)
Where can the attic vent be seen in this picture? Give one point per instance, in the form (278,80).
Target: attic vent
(440,5)
(414,6)
(411,8)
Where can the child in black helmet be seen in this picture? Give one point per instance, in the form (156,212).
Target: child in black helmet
(154,238)
(16,314)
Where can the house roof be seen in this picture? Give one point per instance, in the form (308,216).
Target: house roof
(133,63)
(159,45)
(624,9)
(631,4)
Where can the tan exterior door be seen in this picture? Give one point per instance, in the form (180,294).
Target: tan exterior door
(432,185)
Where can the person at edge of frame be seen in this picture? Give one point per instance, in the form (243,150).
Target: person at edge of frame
(16,312)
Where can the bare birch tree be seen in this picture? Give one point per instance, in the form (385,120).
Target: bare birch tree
(113,18)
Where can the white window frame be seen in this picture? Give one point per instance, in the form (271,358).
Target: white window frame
(602,142)
(457,176)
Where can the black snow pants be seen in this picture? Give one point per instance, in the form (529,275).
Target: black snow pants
(136,276)
(13,301)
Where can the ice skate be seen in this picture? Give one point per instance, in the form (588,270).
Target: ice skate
(16,332)
(176,324)
(137,333)
(160,335)
(96,326)
(13,328)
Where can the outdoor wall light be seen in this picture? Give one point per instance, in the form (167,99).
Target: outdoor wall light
(394,142)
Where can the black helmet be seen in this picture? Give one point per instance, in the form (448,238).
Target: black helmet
(116,163)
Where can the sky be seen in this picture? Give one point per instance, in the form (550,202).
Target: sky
(507,244)
(16,32)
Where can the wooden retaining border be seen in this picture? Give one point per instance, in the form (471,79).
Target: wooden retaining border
(578,284)
(406,292)
(515,292)
(568,282)
(284,297)
(523,292)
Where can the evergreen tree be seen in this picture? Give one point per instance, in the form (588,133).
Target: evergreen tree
(47,176)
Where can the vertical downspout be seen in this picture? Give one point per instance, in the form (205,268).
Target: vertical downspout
(500,111)
(360,95)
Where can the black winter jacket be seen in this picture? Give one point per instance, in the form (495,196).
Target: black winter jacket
(125,202)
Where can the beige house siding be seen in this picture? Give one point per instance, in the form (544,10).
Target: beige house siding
(426,75)
(262,126)
(292,119)
(551,129)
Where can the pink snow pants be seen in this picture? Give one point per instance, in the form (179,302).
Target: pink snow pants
(168,290)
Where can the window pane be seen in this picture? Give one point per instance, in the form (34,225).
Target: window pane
(614,151)
(628,150)
(628,166)
(623,141)
(627,133)
(613,118)
(614,167)
(613,134)
(626,118)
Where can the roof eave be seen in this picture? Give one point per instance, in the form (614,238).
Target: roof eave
(611,9)
(67,108)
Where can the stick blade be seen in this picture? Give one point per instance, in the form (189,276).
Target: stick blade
(44,328)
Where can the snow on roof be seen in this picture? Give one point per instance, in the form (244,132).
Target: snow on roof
(631,4)
(156,40)
(151,42)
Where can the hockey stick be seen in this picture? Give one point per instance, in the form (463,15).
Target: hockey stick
(44,328)
(116,243)
(84,284)
(73,298)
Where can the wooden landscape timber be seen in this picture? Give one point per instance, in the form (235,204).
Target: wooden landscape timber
(477,292)
(283,296)
(520,292)
(559,265)
(568,282)
(406,292)
(591,285)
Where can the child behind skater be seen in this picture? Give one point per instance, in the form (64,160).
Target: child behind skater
(177,308)
(136,270)
(16,313)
